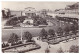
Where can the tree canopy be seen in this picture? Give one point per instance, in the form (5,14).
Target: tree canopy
(60,31)
(43,33)
(51,32)
(74,49)
(74,29)
(27,35)
(13,38)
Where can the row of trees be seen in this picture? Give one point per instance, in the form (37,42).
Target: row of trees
(14,39)
(47,35)
(60,32)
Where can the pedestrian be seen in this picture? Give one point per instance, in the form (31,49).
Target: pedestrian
(47,50)
(37,38)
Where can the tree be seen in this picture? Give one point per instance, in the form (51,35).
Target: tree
(60,50)
(13,38)
(43,33)
(28,36)
(74,49)
(3,45)
(3,14)
(74,29)
(8,13)
(21,18)
(67,30)
(60,31)
(12,21)
(51,32)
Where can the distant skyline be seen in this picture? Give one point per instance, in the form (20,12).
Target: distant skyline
(37,5)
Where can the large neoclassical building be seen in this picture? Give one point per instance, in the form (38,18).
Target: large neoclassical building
(28,12)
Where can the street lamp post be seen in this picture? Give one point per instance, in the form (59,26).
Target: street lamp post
(60,23)
(21,31)
(47,49)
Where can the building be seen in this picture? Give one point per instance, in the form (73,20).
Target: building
(29,13)
(6,13)
(74,6)
(70,13)
(16,13)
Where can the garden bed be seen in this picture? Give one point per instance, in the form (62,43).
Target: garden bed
(21,48)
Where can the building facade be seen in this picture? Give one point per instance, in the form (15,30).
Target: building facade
(70,13)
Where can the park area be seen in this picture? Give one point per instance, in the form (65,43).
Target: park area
(21,48)
(35,31)
(40,29)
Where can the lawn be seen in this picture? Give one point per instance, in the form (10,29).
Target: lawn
(34,31)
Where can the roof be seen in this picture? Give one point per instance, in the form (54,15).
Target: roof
(29,10)
(69,15)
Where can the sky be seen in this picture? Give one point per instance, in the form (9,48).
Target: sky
(19,5)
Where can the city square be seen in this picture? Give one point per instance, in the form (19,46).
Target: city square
(47,31)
